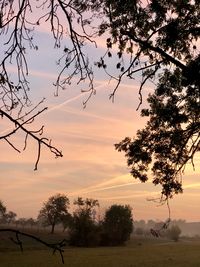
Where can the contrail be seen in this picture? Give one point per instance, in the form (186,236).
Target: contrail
(53,108)
(65,102)
(103,188)
(134,195)
(73,99)
(61,104)
(96,189)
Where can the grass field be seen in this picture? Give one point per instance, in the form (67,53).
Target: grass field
(137,253)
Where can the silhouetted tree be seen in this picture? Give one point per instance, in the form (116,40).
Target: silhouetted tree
(84,229)
(161,38)
(10,217)
(117,225)
(6,216)
(53,210)
(174,232)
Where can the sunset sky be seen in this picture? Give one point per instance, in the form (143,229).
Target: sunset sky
(91,167)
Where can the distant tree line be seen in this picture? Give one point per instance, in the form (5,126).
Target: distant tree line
(153,228)
(6,216)
(83,226)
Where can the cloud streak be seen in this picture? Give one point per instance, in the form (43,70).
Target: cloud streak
(116,182)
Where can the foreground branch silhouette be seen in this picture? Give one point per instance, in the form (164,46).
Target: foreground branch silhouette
(18,21)
(56,247)
(34,134)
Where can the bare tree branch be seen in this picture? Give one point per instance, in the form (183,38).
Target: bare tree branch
(22,126)
(67,25)
(56,247)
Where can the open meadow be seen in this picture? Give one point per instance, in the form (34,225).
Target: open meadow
(139,252)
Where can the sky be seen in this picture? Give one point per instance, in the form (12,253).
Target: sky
(90,167)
